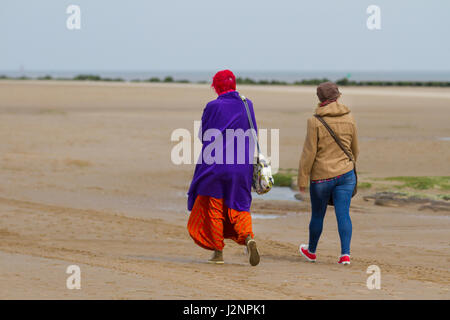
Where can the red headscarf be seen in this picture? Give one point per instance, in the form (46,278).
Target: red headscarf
(224,81)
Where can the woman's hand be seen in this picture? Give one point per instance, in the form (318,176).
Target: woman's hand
(302,189)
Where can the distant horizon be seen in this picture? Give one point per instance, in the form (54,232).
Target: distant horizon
(234,70)
(280,75)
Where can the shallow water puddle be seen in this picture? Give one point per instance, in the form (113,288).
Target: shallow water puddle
(266,216)
(277,193)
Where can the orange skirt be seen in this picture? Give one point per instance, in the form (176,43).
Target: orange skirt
(211,221)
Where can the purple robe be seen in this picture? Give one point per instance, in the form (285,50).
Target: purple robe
(231,182)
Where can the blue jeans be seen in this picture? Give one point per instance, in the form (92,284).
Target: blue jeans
(341,189)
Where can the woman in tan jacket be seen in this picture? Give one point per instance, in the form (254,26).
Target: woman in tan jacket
(328,169)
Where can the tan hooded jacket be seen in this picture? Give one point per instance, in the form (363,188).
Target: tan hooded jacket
(322,158)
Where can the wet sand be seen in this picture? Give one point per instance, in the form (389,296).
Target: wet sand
(87,180)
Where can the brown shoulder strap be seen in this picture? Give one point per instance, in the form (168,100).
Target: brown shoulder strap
(336,138)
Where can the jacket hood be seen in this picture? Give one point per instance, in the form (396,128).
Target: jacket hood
(333,109)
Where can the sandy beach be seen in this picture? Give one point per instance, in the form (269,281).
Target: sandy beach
(87,179)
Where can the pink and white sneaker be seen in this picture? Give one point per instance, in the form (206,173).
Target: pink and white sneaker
(345,259)
(311,257)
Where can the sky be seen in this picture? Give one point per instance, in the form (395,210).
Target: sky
(198,35)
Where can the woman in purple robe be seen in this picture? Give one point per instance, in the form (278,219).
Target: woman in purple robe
(219,196)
